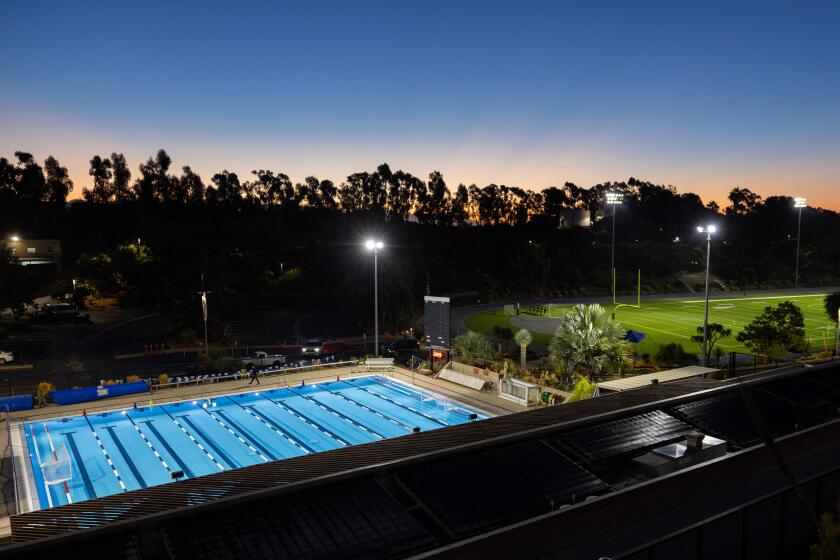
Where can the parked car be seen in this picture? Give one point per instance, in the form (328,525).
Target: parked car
(263,359)
(312,347)
(57,312)
(401,345)
(6,357)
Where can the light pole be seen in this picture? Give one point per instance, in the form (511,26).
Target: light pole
(75,305)
(800,203)
(203,293)
(708,230)
(375,245)
(613,199)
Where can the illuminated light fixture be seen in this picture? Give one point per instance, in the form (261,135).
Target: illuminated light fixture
(707,229)
(614,198)
(800,202)
(372,244)
(15,238)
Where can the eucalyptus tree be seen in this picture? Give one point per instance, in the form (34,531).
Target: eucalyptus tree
(100,170)
(57,181)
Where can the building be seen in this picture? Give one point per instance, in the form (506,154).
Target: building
(694,468)
(31,252)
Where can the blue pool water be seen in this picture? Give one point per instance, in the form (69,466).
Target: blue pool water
(119,451)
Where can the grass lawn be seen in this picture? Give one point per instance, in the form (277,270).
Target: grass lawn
(665,321)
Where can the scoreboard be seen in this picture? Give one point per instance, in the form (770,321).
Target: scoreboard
(437,322)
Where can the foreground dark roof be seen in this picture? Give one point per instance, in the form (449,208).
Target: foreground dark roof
(393,498)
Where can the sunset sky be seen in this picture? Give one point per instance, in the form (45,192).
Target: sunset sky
(701,95)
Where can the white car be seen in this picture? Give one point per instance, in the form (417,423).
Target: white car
(312,347)
(6,357)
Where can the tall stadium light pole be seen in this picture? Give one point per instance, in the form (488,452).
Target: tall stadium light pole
(800,203)
(613,199)
(708,230)
(375,245)
(203,293)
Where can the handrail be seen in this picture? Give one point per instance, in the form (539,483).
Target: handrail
(261,372)
(109,404)
(14,466)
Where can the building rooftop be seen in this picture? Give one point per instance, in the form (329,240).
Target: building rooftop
(459,490)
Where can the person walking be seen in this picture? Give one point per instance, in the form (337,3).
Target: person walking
(254,377)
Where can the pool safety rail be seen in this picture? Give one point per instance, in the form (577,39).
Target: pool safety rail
(186,380)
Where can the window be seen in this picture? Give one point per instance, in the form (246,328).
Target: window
(30,250)
(14,250)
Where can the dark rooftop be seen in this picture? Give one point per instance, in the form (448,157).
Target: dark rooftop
(394,498)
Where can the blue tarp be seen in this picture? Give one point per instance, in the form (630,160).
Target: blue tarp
(85,394)
(20,402)
(634,336)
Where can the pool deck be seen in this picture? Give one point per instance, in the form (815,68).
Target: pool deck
(487,402)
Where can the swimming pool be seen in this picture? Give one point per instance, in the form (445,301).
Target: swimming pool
(84,457)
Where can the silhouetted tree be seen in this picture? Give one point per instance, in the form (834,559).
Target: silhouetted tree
(121,178)
(153,185)
(100,170)
(58,184)
(30,184)
(743,201)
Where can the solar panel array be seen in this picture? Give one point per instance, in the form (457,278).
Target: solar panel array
(358,520)
(812,395)
(727,417)
(488,488)
(627,435)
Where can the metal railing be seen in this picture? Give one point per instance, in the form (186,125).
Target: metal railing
(9,450)
(234,376)
(116,403)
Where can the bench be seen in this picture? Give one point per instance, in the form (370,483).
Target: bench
(379,364)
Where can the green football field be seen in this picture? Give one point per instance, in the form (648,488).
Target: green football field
(665,321)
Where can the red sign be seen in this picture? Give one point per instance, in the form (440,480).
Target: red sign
(437,354)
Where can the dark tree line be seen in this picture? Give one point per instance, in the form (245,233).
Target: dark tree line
(265,238)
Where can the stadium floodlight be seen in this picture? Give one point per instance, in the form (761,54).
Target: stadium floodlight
(800,203)
(708,230)
(613,199)
(375,245)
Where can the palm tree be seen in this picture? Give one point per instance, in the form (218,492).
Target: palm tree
(523,338)
(589,342)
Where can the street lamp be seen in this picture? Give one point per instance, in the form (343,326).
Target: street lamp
(798,202)
(75,305)
(375,245)
(613,199)
(708,230)
(15,238)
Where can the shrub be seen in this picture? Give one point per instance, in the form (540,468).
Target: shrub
(583,389)
(45,388)
(672,354)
